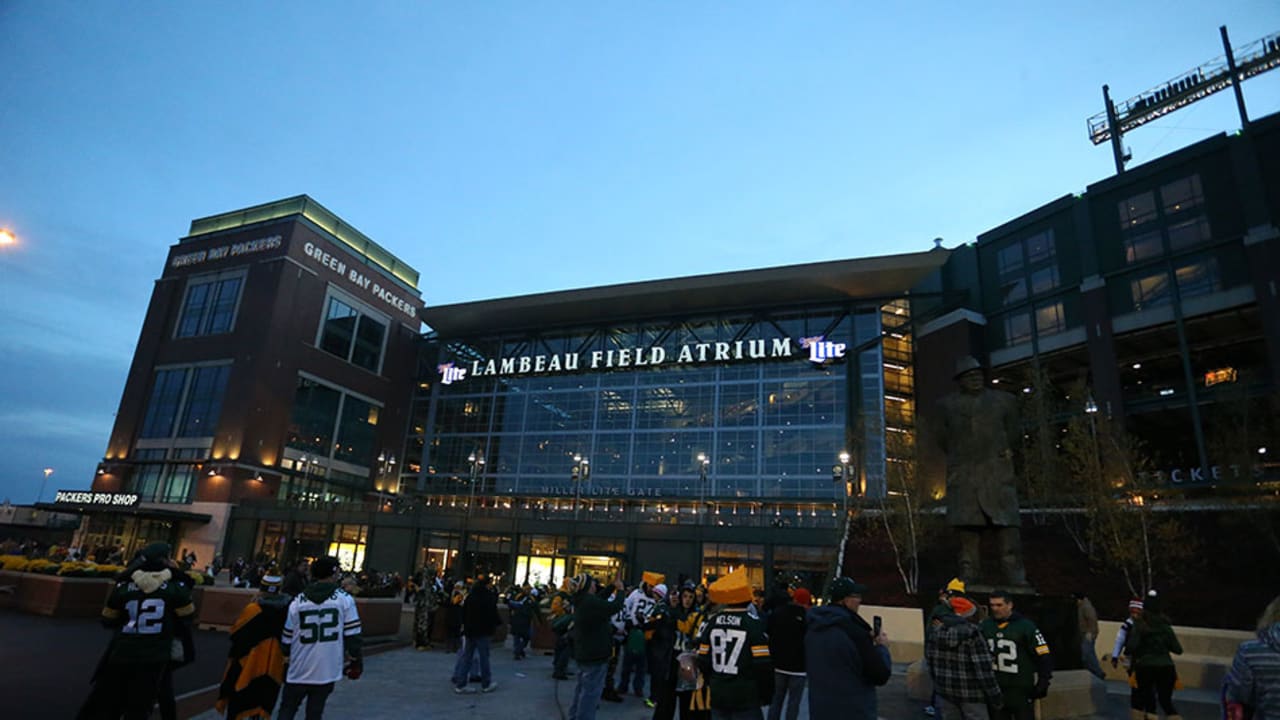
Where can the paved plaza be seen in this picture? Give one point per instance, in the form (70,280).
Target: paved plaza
(405,683)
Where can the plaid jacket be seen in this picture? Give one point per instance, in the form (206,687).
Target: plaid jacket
(959,662)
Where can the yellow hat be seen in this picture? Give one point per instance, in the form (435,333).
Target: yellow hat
(732,589)
(956,585)
(653,578)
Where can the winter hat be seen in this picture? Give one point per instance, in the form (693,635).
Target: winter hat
(155,556)
(271,582)
(732,589)
(1135,604)
(324,568)
(802,597)
(963,607)
(1153,604)
(579,583)
(843,587)
(660,590)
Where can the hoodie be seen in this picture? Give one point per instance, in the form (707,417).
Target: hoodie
(1254,679)
(959,662)
(150,607)
(843,663)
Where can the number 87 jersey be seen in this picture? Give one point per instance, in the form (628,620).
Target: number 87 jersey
(319,623)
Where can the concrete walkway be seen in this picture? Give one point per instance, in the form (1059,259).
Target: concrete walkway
(406,683)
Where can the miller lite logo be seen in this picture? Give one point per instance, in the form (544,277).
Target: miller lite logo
(450,374)
(822,350)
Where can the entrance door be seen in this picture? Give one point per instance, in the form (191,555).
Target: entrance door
(601,567)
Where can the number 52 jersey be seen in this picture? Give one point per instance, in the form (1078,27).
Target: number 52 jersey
(319,621)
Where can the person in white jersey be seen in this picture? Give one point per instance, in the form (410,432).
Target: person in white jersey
(321,636)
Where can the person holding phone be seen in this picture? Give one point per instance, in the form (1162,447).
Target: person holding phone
(845,658)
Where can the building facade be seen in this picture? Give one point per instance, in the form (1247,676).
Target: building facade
(276,360)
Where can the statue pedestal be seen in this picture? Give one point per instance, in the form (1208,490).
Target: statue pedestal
(1072,694)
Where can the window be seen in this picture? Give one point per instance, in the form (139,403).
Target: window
(204,401)
(185,402)
(1150,290)
(1181,194)
(1044,279)
(334,424)
(1142,247)
(1050,319)
(1039,247)
(352,335)
(1140,208)
(1009,259)
(1188,233)
(1014,290)
(1199,278)
(1017,328)
(209,307)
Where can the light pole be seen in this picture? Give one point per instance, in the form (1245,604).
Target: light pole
(475,464)
(843,474)
(47,473)
(704,464)
(579,474)
(387,467)
(1091,409)
(7,237)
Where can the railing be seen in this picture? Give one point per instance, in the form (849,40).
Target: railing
(762,516)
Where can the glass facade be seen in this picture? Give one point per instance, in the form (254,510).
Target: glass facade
(185,402)
(209,307)
(723,407)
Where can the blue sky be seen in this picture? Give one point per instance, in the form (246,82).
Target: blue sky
(505,148)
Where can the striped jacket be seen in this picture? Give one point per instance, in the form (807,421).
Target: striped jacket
(1254,680)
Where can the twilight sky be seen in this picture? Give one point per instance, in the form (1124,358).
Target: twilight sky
(504,148)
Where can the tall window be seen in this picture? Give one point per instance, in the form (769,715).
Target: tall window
(1177,214)
(352,335)
(185,402)
(1030,265)
(333,424)
(209,307)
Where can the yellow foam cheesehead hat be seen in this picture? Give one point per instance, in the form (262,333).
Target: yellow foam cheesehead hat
(732,589)
(956,585)
(653,578)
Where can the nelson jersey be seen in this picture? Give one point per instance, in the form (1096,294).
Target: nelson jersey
(148,620)
(1019,651)
(734,652)
(314,634)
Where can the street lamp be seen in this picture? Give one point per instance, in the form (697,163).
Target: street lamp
(843,474)
(387,466)
(47,473)
(579,474)
(704,464)
(7,237)
(475,464)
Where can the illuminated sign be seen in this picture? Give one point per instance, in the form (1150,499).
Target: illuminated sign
(691,354)
(822,350)
(80,497)
(339,267)
(1221,375)
(223,252)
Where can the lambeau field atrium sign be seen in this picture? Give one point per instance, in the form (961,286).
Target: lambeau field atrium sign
(820,351)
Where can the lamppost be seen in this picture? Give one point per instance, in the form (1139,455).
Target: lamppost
(579,474)
(475,464)
(7,237)
(704,464)
(387,467)
(1091,409)
(47,473)
(843,474)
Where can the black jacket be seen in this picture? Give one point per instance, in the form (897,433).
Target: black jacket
(786,638)
(844,665)
(480,612)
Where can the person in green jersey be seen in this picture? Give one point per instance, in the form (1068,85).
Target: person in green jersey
(733,653)
(145,611)
(1022,661)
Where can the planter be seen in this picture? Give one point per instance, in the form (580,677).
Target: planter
(57,596)
(543,638)
(379,617)
(218,607)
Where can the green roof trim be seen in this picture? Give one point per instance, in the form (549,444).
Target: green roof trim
(373,253)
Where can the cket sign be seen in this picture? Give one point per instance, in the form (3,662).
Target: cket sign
(820,352)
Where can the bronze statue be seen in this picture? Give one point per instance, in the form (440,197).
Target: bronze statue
(978,428)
